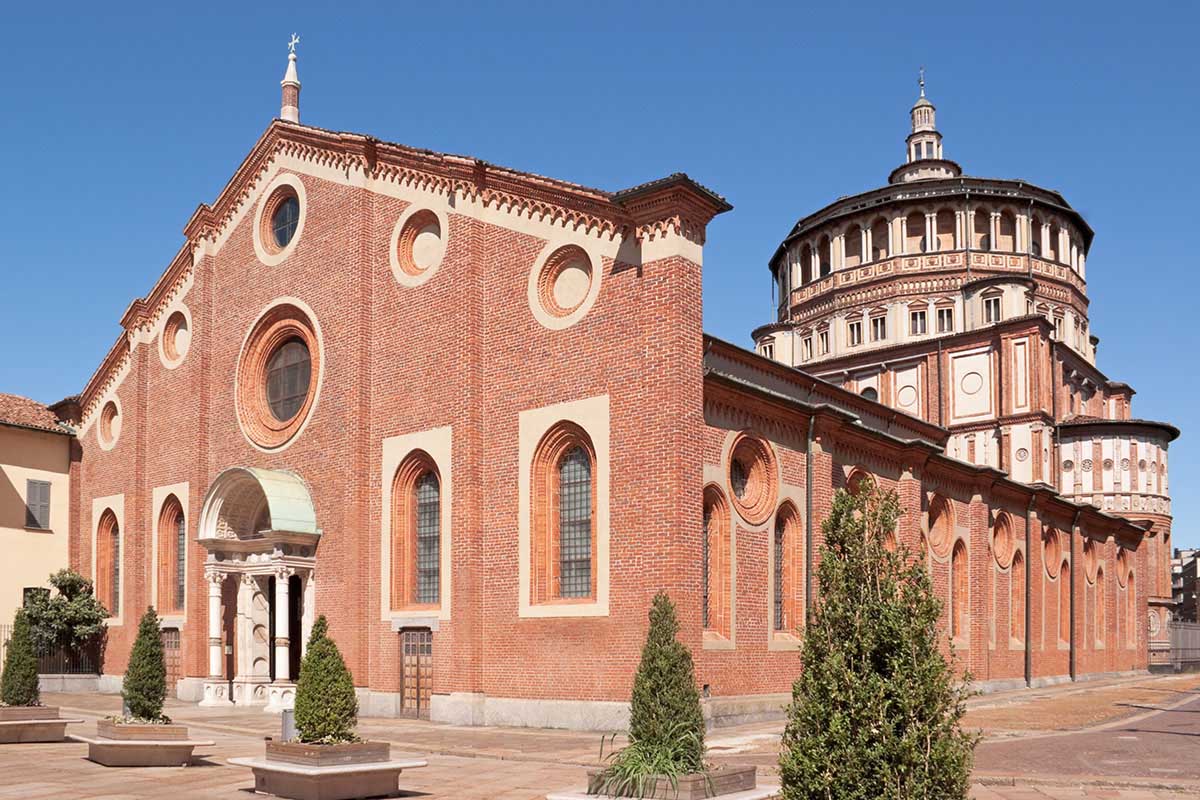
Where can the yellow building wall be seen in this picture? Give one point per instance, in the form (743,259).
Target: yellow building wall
(28,556)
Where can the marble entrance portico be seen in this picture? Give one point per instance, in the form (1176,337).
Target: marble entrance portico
(259,528)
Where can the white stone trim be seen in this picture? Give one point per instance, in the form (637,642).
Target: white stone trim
(261,250)
(312,317)
(158,496)
(437,443)
(592,415)
(115,502)
(398,272)
(161,328)
(543,316)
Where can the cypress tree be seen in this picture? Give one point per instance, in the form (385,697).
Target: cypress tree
(19,683)
(665,701)
(326,707)
(145,685)
(876,712)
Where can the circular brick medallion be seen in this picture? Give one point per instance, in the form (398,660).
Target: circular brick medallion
(108,429)
(1091,561)
(563,285)
(1003,544)
(941,526)
(281,338)
(418,245)
(753,483)
(176,339)
(1051,551)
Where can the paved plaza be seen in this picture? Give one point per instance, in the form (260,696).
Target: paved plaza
(1130,739)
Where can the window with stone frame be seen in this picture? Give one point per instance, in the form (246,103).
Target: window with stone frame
(945,320)
(856,333)
(172,557)
(823,342)
(788,572)
(715,553)
(416,530)
(992,309)
(960,608)
(878,328)
(916,323)
(564,517)
(108,563)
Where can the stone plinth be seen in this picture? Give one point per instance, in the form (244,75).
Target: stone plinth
(32,724)
(722,782)
(140,745)
(338,782)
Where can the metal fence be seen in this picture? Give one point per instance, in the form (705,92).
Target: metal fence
(1185,645)
(60,660)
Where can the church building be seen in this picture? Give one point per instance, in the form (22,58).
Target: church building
(471,416)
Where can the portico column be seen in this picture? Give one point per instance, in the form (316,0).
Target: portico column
(282,652)
(214,579)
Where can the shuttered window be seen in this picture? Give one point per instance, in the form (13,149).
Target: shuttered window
(37,504)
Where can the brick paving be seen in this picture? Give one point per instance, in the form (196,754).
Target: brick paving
(1150,755)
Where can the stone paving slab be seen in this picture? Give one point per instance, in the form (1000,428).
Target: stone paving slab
(528,764)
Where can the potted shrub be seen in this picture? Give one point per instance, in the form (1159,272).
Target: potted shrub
(23,718)
(665,753)
(327,759)
(143,736)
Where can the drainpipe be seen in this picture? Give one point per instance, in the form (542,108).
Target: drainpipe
(1028,593)
(808,514)
(1074,527)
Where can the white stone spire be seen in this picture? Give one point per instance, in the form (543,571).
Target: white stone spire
(290,108)
(923,148)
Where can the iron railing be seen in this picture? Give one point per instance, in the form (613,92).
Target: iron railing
(60,660)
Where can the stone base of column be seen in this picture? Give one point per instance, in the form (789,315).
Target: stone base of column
(250,691)
(216,693)
(280,696)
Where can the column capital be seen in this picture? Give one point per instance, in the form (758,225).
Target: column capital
(282,573)
(214,576)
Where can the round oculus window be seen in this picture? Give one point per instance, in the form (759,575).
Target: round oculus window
(289,370)
(276,382)
(280,219)
(752,478)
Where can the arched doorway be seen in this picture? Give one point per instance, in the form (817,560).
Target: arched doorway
(260,531)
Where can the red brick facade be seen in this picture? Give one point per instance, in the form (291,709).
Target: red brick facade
(477,346)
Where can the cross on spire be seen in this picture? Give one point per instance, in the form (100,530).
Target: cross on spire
(292,44)
(921,81)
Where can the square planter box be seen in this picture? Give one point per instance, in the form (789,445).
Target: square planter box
(696,786)
(140,745)
(327,772)
(32,724)
(139,732)
(328,755)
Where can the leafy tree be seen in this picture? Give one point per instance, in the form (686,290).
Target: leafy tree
(19,683)
(666,726)
(145,685)
(326,707)
(71,618)
(876,712)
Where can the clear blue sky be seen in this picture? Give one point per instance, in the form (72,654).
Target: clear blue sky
(117,122)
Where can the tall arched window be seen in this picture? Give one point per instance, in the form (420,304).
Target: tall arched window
(1006,232)
(1064,602)
(823,256)
(575,523)
(715,552)
(108,563)
(1017,603)
(981,225)
(172,556)
(787,581)
(960,617)
(564,516)
(1101,597)
(946,224)
(914,233)
(879,239)
(853,254)
(416,533)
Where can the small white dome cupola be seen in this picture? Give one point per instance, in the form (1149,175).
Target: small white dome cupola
(290,107)
(923,157)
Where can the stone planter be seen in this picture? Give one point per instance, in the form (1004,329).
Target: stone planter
(137,732)
(140,745)
(32,724)
(327,772)
(328,755)
(728,783)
